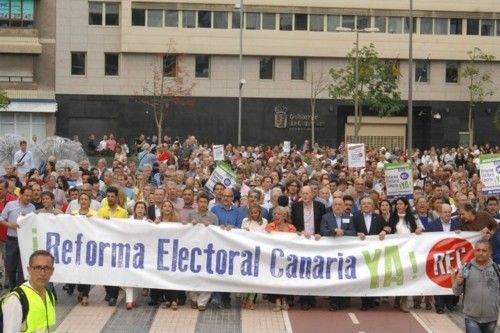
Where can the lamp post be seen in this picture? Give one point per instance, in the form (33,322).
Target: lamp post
(410,83)
(241,80)
(356,75)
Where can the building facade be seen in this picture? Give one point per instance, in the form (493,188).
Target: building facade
(107,54)
(27,67)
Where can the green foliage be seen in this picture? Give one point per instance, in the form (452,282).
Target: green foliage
(377,82)
(4,100)
(479,82)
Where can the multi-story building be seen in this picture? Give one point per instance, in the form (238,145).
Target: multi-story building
(106,51)
(27,67)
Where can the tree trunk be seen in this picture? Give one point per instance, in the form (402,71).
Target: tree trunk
(470,127)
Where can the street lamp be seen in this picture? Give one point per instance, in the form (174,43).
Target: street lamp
(356,74)
(241,80)
(410,83)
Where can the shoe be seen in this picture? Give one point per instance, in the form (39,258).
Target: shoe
(428,306)
(284,305)
(130,306)
(416,306)
(80,296)
(165,305)
(107,298)
(112,301)
(277,306)
(333,307)
(251,305)
(439,311)
(364,308)
(84,301)
(173,306)
(202,307)
(194,304)
(404,306)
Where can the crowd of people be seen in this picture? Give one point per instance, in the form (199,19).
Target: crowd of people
(308,190)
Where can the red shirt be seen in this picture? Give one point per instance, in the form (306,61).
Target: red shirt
(3,229)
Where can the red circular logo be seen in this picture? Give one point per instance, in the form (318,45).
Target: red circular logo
(447,254)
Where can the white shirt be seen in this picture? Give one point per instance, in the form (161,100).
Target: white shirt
(26,162)
(446,226)
(13,314)
(368,221)
(309,219)
(253,225)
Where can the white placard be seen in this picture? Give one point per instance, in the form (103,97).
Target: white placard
(356,157)
(218,152)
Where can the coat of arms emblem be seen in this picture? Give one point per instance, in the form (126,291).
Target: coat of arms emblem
(280,116)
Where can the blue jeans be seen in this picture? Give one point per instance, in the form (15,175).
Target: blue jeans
(472,326)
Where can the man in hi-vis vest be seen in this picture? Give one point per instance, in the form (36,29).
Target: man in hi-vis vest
(41,309)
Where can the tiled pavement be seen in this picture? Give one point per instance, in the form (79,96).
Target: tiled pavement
(99,317)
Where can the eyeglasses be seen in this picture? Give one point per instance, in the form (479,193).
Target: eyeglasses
(252,185)
(45,269)
(293,185)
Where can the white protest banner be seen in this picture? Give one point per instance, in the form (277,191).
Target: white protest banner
(356,155)
(489,170)
(398,180)
(286,147)
(222,174)
(218,152)
(174,256)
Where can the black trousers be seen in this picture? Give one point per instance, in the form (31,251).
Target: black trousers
(307,300)
(367,302)
(13,265)
(84,289)
(112,291)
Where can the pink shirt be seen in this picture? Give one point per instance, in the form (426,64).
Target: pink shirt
(309,218)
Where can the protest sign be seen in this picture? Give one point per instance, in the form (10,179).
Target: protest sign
(218,152)
(398,180)
(356,155)
(131,253)
(489,170)
(222,174)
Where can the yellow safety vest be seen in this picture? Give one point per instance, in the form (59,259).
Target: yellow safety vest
(41,316)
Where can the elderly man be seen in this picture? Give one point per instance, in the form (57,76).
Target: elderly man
(337,224)
(306,217)
(447,224)
(472,220)
(145,156)
(366,222)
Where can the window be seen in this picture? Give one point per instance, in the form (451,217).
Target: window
(472,27)
(266,68)
(78,63)
(172,18)
(111,64)
(170,66)
(16,13)
(95,13)
(426,26)
(188,19)
(452,71)
(407,25)
(269,21)
(363,22)
(235,20)
(204,19)
(455,26)
(202,66)
(112,13)
(440,26)
(301,22)
(487,27)
(155,17)
(422,71)
(498,27)
(138,17)
(221,20)
(253,21)
(316,22)
(381,23)
(348,21)
(298,68)
(332,22)
(286,22)
(23,124)
(395,24)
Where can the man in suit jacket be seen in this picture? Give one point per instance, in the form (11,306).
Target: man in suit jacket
(337,223)
(306,217)
(444,224)
(366,222)
(154,211)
